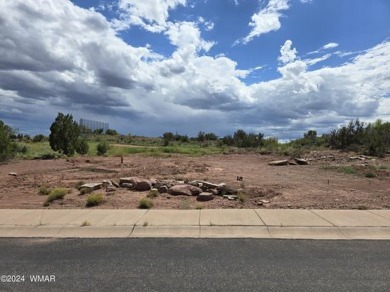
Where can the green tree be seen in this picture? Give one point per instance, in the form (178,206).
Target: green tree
(102,147)
(201,136)
(82,146)
(111,132)
(64,134)
(7,146)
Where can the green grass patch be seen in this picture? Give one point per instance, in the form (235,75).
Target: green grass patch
(348,170)
(94,200)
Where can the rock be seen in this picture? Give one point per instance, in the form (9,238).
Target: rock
(154,181)
(278,162)
(125,180)
(110,189)
(292,163)
(260,203)
(203,197)
(142,185)
(184,189)
(301,161)
(115,184)
(127,185)
(139,184)
(230,197)
(107,182)
(13,174)
(226,190)
(214,192)
(91,186)
(265,201)
(163,189)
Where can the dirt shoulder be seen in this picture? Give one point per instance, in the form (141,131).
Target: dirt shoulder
(332,180)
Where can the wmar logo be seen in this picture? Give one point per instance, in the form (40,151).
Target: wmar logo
(43,278)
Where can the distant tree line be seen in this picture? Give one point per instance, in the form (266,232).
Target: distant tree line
(239,139)
(67,137)
(369,138)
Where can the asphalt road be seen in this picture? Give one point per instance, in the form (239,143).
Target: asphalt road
(194,265)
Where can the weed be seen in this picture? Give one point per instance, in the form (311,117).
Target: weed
(78,184)
(199,206)
(145,203)
(348,170)
(46,204)
(85,223)
(242,196)
(94,200)
(56,194)
(384,167)
(184,204)
(242,185)
(362,207)
(145,224)
(44,190)
(370,175)
(84,191)
(153,193)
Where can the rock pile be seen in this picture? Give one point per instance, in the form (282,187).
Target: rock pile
(295,161)
(204,190)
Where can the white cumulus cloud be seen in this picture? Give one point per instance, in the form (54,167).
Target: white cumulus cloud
(267,19)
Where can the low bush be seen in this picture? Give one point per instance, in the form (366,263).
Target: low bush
(94,200)
(84,191)
(56,194)
(78,184)
(102,148)
(370,175)
(152,193)
(242,196)
(145,203)
(44,190)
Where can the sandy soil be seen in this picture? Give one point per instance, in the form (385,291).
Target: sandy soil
(318,185)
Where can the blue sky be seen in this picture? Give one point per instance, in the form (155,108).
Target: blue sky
(280,67)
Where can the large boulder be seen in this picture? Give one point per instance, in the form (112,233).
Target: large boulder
(91,186)
(184,190)
(139,184)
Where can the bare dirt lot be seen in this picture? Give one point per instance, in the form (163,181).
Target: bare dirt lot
(331,181)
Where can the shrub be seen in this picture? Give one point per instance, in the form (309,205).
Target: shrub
(78,184)
(7,147)
(145,203)
(370,175)
(85,223)
(348,170)
(94,200)
(102,148)
(56,194)
(44,190)
(184,204)
(82,146)
(84,191)
(242,196)
(152,193)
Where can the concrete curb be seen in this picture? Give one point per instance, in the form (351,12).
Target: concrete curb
(219,223)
